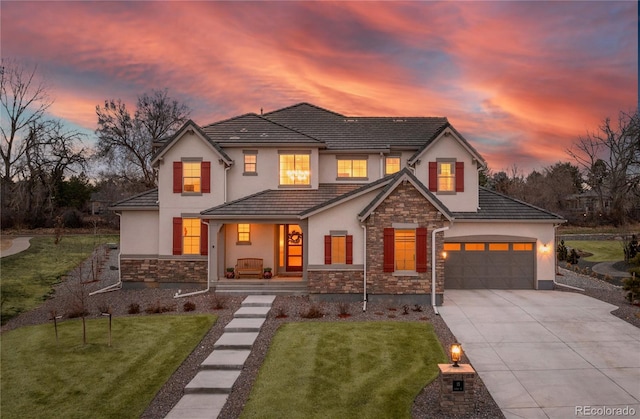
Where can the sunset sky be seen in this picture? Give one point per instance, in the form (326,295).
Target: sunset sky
(520,80)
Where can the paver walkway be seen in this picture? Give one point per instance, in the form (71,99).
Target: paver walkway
(207,393)
(547,354)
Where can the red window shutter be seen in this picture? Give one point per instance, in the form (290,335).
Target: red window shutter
(177,177)
(349,250)
(421,249)
(204,239)
(177,236)
(327,250)
(205,172)
(459,176)
(433,176)
(388,246)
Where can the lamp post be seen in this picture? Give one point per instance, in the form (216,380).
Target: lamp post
(456,353)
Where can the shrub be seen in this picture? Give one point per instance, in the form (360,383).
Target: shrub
(77,311)
(343,309)
(189,306)
(159,308)
(573,257)
(417,308)
(104,308)
(562,251)
(405,309)
(314,312)
(218,302)
(281,313)
(134,308)
(631,286)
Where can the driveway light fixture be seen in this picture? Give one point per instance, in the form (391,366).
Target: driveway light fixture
(456,353)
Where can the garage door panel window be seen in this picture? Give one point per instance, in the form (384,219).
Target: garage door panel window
(498,247)
(474,247)
(522,247)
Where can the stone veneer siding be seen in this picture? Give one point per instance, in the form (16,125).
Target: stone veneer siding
(335,282)
(163,270)
(404,205)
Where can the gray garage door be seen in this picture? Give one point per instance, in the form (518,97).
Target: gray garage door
(492,265)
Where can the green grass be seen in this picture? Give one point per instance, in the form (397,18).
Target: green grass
(71,380)
(603,250)
(28,277)
(345,370)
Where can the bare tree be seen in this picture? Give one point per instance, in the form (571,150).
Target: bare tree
(127,142)
(24,99)
(610,159)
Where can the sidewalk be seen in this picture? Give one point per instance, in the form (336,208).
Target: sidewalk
(18,244)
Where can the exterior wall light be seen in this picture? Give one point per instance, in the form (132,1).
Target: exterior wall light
(456,353)
(544,248)
(444,255)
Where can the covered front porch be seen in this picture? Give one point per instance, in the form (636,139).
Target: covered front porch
(257,253)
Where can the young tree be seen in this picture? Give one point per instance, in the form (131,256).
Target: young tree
(126,142)
(610,159)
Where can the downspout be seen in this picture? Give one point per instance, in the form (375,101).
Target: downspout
(117,285)
(364,273)
(179,295)
(556,264)
(381,164)
(433,266)
(226,169)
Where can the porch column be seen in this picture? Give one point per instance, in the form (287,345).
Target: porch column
(214,251)
(304,226)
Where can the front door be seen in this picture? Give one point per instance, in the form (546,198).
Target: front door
(293,250)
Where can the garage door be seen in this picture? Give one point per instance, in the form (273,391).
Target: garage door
(493,265)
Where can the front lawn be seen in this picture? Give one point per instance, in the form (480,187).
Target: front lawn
(345,370)
(28,277)
(70,380)
(603,250)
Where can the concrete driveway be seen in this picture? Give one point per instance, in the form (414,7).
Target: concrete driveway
(548,354)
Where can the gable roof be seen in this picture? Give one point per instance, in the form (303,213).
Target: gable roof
(190,126)
(341,132)
(254,129)
(147,200)
(449,130)
(401,176)
(495,206)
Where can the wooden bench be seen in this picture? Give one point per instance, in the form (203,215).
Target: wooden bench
(249,267)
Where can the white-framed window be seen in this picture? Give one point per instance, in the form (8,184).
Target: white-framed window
(446,176)
(190,236)
(244,233)
(391,165)
(251,162)
(295,169)
(191,176)
(352,168)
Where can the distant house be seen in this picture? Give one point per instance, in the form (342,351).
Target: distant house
(587,205)
(342,206)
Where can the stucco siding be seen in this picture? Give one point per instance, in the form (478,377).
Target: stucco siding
(139,232)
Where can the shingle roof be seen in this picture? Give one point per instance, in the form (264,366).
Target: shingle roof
(252,128)
(281,202)
(495,206)
(341,132)
(141,201)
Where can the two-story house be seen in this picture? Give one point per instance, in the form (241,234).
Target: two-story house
(345,206)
